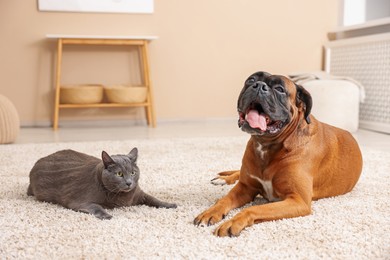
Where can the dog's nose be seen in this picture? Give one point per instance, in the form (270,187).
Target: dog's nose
(262,86)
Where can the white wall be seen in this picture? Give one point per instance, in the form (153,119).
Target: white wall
(360,11)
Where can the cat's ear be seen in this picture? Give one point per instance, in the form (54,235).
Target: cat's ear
(107,160)
(133,154)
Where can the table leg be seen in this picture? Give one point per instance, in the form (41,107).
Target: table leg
(149,109)
(57,85)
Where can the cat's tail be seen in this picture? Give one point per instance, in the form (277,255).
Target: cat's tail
(30,191)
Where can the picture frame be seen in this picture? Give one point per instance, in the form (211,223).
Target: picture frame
(100,6)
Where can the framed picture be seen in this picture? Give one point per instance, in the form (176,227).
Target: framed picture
(97,6)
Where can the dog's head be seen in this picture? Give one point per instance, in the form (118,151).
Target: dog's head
(268,103)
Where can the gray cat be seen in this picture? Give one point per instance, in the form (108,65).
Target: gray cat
(85,183)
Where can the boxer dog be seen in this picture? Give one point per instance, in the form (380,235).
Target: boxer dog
(290,159)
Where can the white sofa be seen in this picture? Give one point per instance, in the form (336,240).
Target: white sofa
(336,99)
(335,102)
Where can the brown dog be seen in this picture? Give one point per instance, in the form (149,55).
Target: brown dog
(290,159)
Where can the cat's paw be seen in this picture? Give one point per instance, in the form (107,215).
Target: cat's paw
(170,205)
(103,215)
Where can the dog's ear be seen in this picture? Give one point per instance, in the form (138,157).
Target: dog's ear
(303,96)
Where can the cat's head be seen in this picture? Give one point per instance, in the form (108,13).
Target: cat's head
(120,173)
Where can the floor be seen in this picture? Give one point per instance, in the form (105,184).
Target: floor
(206,128)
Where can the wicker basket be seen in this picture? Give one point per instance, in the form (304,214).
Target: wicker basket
(81,94)
(125,94)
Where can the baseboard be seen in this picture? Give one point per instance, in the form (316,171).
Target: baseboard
(375,126)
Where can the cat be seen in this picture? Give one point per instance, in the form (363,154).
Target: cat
(87,184)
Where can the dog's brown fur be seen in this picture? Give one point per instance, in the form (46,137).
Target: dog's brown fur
(308,160)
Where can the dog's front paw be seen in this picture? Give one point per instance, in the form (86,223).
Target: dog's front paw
(233,227)
(209,217)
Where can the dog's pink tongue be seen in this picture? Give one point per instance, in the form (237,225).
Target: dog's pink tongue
(256,120)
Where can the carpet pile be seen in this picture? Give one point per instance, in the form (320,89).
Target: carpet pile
(352,226)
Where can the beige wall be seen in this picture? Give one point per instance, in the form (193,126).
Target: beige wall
(204,52)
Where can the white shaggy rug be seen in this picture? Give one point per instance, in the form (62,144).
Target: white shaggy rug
(353,226)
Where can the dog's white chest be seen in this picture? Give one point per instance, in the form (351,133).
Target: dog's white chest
(260,151)
(268,189)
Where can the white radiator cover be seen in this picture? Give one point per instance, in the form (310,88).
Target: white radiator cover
(367,60)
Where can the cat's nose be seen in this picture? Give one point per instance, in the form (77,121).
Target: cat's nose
(128,183)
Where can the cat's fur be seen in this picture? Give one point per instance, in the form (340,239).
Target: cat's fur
(85,183)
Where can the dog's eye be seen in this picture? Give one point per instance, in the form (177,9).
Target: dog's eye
(250,81)
(279,89)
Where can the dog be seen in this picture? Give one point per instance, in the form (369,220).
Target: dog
(290,159)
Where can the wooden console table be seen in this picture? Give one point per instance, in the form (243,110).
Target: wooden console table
(140,41)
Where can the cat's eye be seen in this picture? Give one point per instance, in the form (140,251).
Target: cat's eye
(132,173)
(119,174)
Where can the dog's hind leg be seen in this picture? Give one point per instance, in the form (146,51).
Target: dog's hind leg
(228,177)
